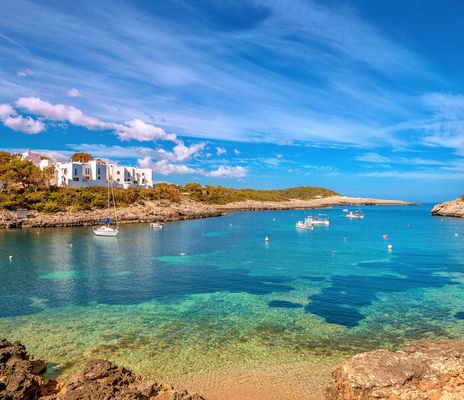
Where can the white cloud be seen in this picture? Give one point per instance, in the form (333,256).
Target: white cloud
(220,151)
(24,73)
(228,172)
(164,167)
(60,112)
(447,127)
(428,175)
(6,111)
(181,152)
(73,92)
(373,157)
(12,120)
(24,124)
(137,129)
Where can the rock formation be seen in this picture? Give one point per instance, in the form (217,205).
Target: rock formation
(453,208)
(19,373)
(20,378)
(425,369)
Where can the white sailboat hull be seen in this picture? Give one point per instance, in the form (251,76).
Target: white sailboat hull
(105,231)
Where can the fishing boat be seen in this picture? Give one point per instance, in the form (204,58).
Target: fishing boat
(355,215)
(105,229)
(304,225)
(321,220)
(156,225)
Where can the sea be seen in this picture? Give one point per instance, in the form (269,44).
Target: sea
(208,294)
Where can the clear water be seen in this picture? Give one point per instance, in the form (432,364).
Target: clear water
(207,294)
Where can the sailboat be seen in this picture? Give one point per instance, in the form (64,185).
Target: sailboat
(106,229)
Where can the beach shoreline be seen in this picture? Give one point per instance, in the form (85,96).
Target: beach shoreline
(186,209)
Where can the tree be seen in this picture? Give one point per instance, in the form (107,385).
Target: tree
(81,157)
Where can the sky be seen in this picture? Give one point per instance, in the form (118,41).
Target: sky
(362,97)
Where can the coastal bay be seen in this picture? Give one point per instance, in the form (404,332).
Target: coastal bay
(207,299)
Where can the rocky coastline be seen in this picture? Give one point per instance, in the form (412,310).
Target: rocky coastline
(164,211)
(453,208)
(425,369)
(22,377)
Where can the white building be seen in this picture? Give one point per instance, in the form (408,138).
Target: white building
(99,173)
(92,173)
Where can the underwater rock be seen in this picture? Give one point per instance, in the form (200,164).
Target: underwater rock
(102,380)
(453,208)
(425,369)
(19,372)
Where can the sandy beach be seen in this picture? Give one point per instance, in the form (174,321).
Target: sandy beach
(303,380)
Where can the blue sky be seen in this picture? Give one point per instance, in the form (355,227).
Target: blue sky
(363,97)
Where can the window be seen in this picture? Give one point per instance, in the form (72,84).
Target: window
(98,170)
(76,179)
(119,172)
(75,171)
(118,179)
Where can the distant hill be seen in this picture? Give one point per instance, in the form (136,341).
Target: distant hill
(222,195)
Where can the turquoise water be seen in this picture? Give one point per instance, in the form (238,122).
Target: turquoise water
(210,293)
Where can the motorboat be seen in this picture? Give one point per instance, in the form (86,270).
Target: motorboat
(304,225)
(345,210)
(355,215)
(156,225)
(105,230)
(321,220)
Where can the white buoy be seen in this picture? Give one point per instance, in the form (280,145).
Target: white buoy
(70,244)
(273,219)
(266,239)
(183,254)
(390,247)
(10,258)
(230,224)
(456,235)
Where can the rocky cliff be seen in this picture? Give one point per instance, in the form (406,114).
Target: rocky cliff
(453,208)
(424,370)
(21,377)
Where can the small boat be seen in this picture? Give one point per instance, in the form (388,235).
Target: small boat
(156,225)
(345,210)
(355,215)
(304,225)
(105,230)
(321,220)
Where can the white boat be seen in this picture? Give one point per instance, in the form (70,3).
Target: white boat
(304,225)
(105,229)
(156,225)
(345,210)
(321,220)
(353,215)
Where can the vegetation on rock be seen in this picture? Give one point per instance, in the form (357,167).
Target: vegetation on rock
(23,185)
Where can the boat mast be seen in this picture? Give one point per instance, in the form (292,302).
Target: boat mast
(114,205)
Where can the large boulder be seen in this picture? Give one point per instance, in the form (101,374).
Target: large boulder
(102,380)
(424,370)
(453,208)
(19,373)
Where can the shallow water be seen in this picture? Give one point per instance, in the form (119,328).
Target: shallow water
(210,294)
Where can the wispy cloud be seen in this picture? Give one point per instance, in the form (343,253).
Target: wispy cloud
(73,92)
(183,64)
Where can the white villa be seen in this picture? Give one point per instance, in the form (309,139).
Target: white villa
(93,173)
